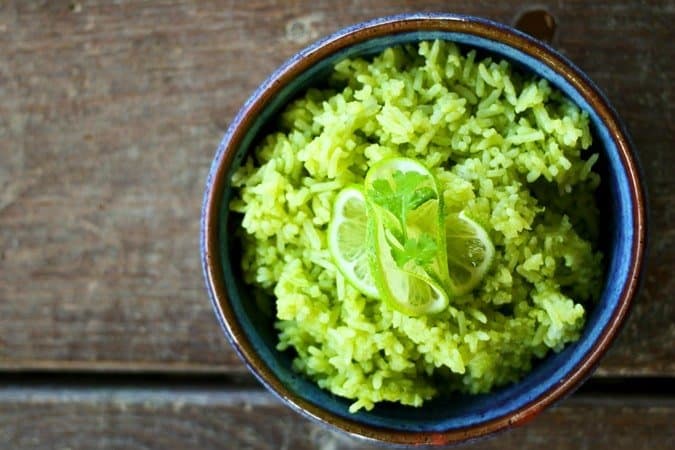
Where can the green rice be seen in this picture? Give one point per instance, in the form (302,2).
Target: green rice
(507,148)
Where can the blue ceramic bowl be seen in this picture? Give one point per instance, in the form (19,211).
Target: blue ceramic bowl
(443,420)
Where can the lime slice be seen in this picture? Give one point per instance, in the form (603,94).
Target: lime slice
(406,231)
(411,212)
(413,293)
(347,241)
(469,252)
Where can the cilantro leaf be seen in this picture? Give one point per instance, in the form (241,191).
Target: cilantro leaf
(420,197)
(407,182)
(421,250)
(382,194)
(406,194)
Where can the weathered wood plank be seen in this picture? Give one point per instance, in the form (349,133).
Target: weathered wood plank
(209,419)
(111,112)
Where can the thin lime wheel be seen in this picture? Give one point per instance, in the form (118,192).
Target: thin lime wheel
(469,252)
(347,241)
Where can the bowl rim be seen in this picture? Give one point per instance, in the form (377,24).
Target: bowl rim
(340,40)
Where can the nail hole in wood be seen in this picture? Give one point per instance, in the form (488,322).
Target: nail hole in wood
(537,23)
(75,7)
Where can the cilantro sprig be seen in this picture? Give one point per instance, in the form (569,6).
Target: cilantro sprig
(406,192)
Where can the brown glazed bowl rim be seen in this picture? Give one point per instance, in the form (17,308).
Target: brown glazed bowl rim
(220,172)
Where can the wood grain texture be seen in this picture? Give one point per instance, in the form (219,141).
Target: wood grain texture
(73,419)
(110,113)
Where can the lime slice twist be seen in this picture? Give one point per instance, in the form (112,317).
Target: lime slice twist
(409,216)
(368,235)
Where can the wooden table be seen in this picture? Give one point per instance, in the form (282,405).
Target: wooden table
(110,113)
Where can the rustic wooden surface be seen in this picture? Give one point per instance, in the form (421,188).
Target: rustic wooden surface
(135,418)
(110,113)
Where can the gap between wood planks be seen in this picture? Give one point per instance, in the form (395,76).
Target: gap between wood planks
(154,386)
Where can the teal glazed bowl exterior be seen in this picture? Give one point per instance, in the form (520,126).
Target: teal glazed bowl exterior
(444,420)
